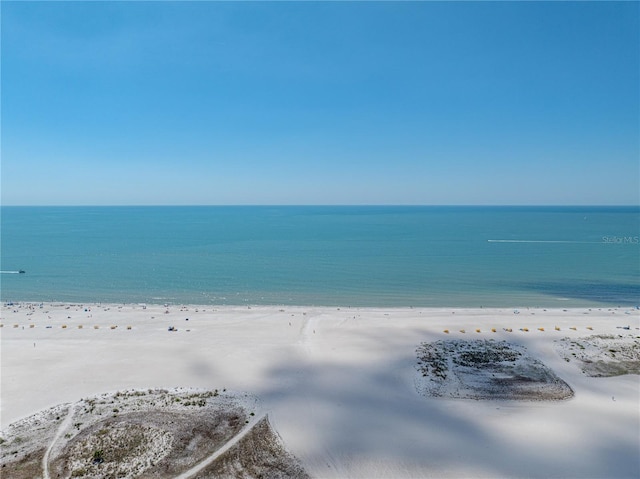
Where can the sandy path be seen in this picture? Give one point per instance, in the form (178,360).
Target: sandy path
(63,427)
(209,460)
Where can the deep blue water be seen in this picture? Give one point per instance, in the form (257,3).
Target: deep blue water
(338,256)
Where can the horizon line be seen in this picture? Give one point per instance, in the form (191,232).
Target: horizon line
(341,205)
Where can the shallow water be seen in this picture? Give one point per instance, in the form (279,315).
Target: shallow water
(358,256)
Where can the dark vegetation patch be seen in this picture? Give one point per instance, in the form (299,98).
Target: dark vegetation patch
(603,355)
(485,369)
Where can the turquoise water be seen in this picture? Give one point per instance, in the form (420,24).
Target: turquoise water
(334,256)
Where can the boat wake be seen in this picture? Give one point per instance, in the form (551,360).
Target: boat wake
(542,241)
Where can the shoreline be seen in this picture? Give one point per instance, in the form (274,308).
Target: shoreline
(551,303)
(210,306)
(339,383)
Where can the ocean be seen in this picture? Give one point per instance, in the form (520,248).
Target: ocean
(373,256)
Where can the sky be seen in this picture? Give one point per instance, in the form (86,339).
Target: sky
(457,103)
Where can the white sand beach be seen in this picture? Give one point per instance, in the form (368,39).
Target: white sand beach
(339,384)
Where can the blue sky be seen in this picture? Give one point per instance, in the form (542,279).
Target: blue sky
(320,103)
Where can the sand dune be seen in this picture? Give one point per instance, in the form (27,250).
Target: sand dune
(339,385)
